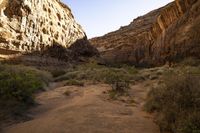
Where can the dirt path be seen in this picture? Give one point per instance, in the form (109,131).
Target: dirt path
(87,110)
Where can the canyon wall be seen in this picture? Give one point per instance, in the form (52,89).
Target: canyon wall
(163,35)
(33,25)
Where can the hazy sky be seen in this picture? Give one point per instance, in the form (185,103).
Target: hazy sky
(98,17)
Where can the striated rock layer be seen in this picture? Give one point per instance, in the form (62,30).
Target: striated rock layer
(166,34)
(33,25)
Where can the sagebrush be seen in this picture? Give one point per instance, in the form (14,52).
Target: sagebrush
(177,103)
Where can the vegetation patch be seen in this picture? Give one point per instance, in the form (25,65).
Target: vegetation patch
(17,86)
(57,73)
(74,82)
(119,78)
(190,61)
(119,89)
(67,93)
(177,103)
(98,73)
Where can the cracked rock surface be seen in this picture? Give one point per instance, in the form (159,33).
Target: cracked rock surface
(33,25)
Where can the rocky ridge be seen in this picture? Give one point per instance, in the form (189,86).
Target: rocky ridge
(33,25)
(163,35)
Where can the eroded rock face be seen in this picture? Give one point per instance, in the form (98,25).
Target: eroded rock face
(163,35)
(33,25)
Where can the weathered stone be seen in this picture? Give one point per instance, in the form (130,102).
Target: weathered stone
(163,35)
(33,25)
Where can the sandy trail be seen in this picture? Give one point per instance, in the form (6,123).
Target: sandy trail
(86,110)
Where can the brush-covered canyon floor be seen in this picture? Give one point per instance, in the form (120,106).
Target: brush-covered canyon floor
(87,109)
(92,98)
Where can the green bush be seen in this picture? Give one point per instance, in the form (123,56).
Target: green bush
(67,93)
(72,82)
(68,76)
(17,86)
(57,73)
(119,89)
(190,124)
(177,103)
(119,78)
(190,61)
(98,73)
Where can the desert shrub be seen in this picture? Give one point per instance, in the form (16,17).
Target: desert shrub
(191,61)
(119,88)
(112,75)
(17,86)
(57,73)
(68,76)
(177,103)
(99,73)
(130,69)
(119,79)
(57,51)
(74,82)
(189,124)
(192,70)
(67,93)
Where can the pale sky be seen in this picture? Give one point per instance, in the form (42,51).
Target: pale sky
(98,17)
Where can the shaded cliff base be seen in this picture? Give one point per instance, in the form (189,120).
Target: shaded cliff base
(107,60)
(54,56)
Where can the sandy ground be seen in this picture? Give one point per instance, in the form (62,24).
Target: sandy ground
(87,110)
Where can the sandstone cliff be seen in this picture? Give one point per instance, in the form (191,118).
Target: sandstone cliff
(33,25)
(166,34)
